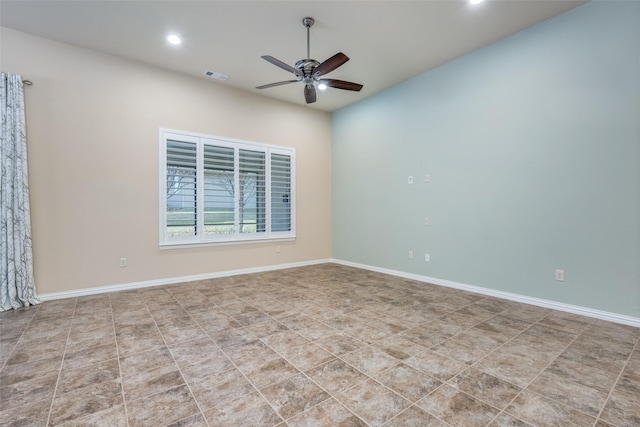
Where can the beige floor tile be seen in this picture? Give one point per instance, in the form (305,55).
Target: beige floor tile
(218,389)
(252,353)
(200,358)
(162,409)
(30,351)
(340,344)
(370,360)
(78,403)
(282,340)
(398,347)
(266,328)
(306,356)
(506,420)
(622,409)
(269,372)
(538,410)
(294,395)
(329,413)
(232,350)
(591,376)
(74,379)
(232,337)
(425,337)
(478,340)
(460,351)
(513,368)
(137,338)
(178,329)
(436,365)
(249,410)
(414,417)
(196,420)
(12,374)
(571,393)
(114,416)
(315,331)
(565,322)
(485,387)
(148,373)
(373,402)
(34,413)
(629,381)
(408,382)
(535,347)
(214,323)
(83,339)
(457,408)
(90,356)
(336,375)
(39,388)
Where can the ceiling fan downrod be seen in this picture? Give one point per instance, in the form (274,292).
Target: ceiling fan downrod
(308,22)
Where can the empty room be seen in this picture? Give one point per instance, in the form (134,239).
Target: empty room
(320,213)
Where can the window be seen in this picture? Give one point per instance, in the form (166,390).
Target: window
(216,190)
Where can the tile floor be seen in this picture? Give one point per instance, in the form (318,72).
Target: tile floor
(324,345)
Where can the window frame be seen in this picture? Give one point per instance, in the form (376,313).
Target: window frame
(200,238)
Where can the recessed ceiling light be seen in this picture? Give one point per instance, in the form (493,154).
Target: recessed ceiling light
(475,1)
(173,39)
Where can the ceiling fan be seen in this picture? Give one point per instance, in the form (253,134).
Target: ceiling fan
(309,71)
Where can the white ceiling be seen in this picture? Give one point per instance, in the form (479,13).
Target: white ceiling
(388,41)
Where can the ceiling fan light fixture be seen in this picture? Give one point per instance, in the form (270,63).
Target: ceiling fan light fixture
(322,86)
(475,2)
(174,39)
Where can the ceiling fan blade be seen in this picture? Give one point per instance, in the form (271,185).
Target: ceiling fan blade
(310,94)
(341,84)
(281,64)
(277,84)
(330,64)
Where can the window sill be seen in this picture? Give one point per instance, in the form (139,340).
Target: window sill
(185,245)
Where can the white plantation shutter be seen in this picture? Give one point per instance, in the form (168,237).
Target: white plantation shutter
(181,188)
(219,200)
(280,192)
(251,195)
(215,190)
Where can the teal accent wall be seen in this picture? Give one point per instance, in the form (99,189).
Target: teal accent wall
(532,145)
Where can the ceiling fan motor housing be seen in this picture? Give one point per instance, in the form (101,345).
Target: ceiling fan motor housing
(306,66)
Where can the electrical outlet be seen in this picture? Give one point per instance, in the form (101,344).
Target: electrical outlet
(560,275)
(427,257)
(123,262)
(410,254)
(410,180)
(278,249)
(426,178)
(426,221)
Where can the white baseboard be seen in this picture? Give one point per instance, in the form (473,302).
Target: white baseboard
(584,311)
(173,280)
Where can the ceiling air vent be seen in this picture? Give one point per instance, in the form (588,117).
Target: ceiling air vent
(215,75)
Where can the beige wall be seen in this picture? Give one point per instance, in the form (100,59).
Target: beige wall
(92,129)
